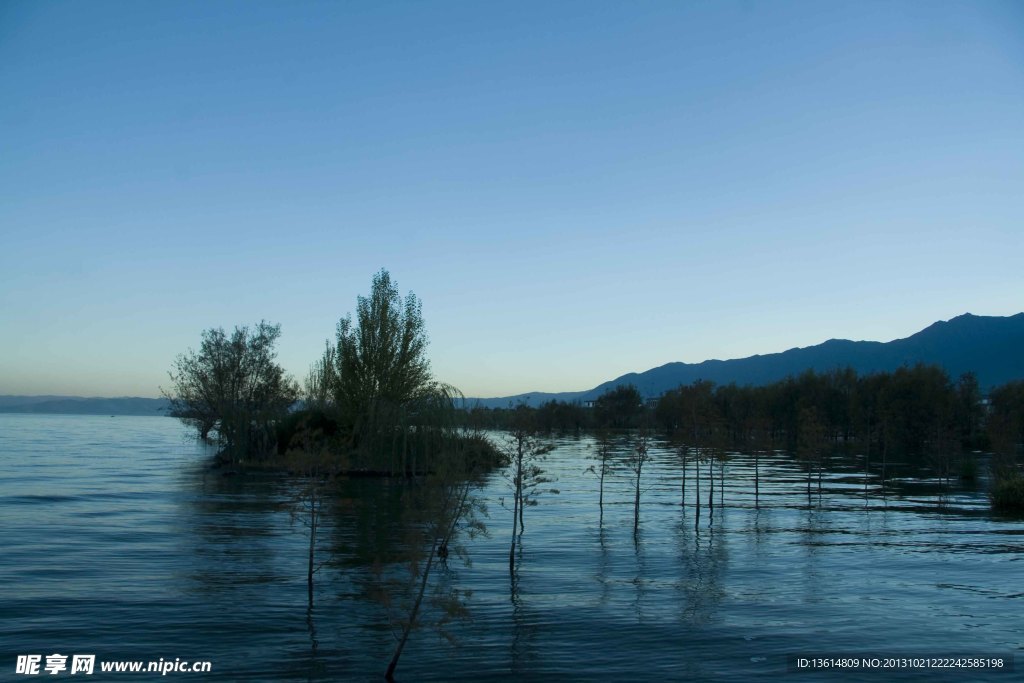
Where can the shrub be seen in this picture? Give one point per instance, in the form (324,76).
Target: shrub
(301,426)
(1008,494)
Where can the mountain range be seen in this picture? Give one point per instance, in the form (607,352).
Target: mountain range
(992,347)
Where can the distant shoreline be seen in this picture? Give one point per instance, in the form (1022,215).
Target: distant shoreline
(75,405)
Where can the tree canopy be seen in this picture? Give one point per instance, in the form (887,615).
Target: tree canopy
(234,387)
(375,381)
(619,407)
(380,357)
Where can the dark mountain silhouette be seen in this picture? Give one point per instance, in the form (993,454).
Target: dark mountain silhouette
(990,346)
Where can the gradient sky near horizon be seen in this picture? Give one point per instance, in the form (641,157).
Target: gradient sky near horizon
(575,190)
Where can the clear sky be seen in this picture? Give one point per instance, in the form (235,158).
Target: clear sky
(575,190)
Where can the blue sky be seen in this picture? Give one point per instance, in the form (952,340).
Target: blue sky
(575,190)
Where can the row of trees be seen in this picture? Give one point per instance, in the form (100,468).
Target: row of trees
(912,411)
(1005,429)
(619,408)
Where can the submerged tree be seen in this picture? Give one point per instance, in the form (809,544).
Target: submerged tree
(810,444)
(234,387)
(307,456)
(712,455)
(524,453)
(697,455)
(683,457)
(767,446)
(636,462)
(307,507)
(602,468)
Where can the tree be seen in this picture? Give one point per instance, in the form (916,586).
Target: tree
(1006,427)
(307,506)
(698,457)
(811,442)
(234,387)
(702,425)
(602,468)
(319,386)
(376,379)
(524,452)
(969,412)
(636,462)
(619,407)
(381,357)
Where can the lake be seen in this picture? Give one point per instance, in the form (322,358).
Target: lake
(119,541)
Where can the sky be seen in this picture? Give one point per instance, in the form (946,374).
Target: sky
(574,190)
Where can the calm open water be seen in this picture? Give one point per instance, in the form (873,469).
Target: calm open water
(119,542)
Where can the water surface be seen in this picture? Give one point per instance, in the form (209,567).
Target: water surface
(119,541)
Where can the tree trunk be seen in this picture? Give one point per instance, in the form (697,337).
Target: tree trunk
(696,498)
(636,500)
(682,489)
(314,514)
(757,480)
(515,520)
(867,470)
(721,484)
(522,504)
(711,485)
(885,454)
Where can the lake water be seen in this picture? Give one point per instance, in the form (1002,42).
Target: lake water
(119,541)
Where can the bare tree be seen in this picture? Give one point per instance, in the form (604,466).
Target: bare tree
(636,462)
(524,453)
(683,452)
(810,443)
(697,455)
(601,469)
(309,458)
